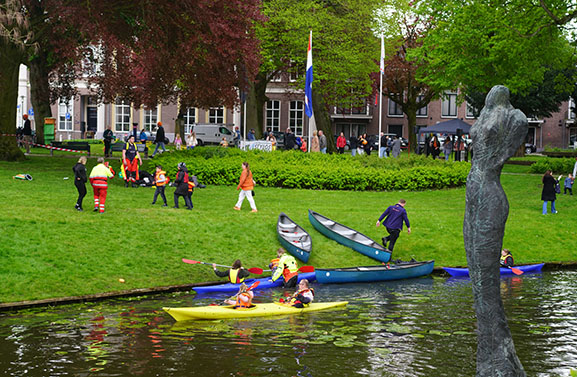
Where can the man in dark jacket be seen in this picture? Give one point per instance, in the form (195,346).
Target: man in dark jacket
(289,140)
(108,136)
(159,138)
(27,132)
(181,183)
(394,217)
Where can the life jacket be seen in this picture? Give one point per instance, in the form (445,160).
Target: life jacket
(273,263)
(504,260)
(161,178)
(240,303)
(99,176)
(190,185)
(303,292)
(233,276)
(290,267)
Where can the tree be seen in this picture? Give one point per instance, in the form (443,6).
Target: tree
(143,51)
(476,45)
(344,51)
(400,82)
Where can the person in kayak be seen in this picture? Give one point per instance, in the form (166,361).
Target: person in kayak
(274,262)
(243,298)
(236,274)
(303,296)
(506,258)
(287,267)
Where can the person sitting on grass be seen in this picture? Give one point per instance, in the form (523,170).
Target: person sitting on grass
(303,296)
(243,298)
(506,258)
(236,274)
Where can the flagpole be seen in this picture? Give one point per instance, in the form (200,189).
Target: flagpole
(308,88)
(381,73)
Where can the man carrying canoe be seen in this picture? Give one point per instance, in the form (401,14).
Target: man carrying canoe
(287,267)
(236,274)
(394,217)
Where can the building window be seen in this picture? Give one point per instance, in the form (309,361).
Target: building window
(296,117)
(449,105)
(189,119)
(277,77)
(122,121)
(395,109)
(470,113)
(150,119)
(422,112)
(273,115)
(571,111)
(65,114)
(216,115)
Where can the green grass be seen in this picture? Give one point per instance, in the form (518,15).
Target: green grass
(49,250)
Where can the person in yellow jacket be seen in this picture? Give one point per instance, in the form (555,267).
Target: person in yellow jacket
(99,180)
(160,181)
(288,268)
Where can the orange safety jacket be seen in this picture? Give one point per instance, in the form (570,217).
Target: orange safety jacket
(274,263)
(242,304)
(190,186)
(161,178)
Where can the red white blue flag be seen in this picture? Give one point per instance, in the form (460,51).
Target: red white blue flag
(309,79)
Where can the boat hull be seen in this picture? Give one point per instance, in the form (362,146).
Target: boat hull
(258,310)
(463,272)
(367,247)
(374,273)
(294,238)
(264,283)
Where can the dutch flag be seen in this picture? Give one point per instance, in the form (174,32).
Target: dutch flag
(309,79)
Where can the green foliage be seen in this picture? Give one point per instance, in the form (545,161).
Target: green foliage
(89,141)
(294,169)
(556,165)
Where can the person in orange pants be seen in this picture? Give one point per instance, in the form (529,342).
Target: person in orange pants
(131,159)
(99,179)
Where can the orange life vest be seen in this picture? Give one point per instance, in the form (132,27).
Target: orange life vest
(240,303)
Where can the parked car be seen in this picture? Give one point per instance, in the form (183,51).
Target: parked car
(212,133)
(530,148)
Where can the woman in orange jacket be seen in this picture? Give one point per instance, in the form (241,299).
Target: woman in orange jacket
(245,185)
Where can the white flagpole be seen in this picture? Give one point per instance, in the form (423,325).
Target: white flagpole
(382,72)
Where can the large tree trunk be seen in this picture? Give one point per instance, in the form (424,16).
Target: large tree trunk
(10,59)
(255,103)
(411,113)
(39,93)
(323,120)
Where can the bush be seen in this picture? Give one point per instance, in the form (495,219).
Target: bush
(556,165)
(294,169)
(89,141)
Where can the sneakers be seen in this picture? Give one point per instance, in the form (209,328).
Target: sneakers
(95,209)
(236,208)
(165,205)
(254,210)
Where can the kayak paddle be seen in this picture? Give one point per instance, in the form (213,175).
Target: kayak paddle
(302,269)
(253,270)
(516,271)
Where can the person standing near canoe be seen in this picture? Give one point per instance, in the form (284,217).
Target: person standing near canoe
(394,217)
(236,274)
(288,268)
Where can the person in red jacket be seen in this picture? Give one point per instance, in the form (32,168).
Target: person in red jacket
(341,143)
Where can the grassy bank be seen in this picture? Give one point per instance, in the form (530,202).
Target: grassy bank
(49,250)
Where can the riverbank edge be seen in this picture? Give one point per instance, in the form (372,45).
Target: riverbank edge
(20,305)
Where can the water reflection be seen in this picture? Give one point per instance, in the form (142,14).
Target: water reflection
(422,327)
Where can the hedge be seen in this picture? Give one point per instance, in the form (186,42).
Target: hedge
(294,169)
(556,165)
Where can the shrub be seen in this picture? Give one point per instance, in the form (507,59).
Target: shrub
(556,165)
(294,169)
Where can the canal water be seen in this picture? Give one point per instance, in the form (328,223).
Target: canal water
(419,327)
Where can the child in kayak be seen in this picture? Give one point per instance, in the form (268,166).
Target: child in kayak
(236,274)
(287,268)
(243,298)
(506,258)
(303,296)
(274,262)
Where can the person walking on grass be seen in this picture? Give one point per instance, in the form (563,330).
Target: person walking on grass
(99,179)
(568,186)
(160,181)
(245,185)
(394,216)
(159,140)
(181,182)
(80,181)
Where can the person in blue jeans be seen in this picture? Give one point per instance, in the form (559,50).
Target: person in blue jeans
(548,193)
(160,136)
(568,186)
(394,217)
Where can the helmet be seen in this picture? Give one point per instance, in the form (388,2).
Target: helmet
(181,165)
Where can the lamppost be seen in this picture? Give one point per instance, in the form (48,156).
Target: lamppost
(22,111)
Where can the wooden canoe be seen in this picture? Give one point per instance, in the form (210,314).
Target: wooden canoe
(293,238)
(403,270)
(349,237)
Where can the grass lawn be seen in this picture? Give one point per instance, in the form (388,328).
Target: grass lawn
(50,250)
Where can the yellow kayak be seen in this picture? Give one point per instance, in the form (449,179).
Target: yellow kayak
(258,310)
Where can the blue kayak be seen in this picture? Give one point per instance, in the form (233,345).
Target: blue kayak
(462,272)
(264,284)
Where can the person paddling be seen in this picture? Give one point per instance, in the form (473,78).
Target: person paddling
(303,296)
(506,258)
(287,267)
(236,274)
(243,298)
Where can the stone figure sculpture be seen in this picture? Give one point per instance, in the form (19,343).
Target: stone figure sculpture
(496,135)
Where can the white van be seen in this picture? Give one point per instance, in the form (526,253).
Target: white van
(212,133)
